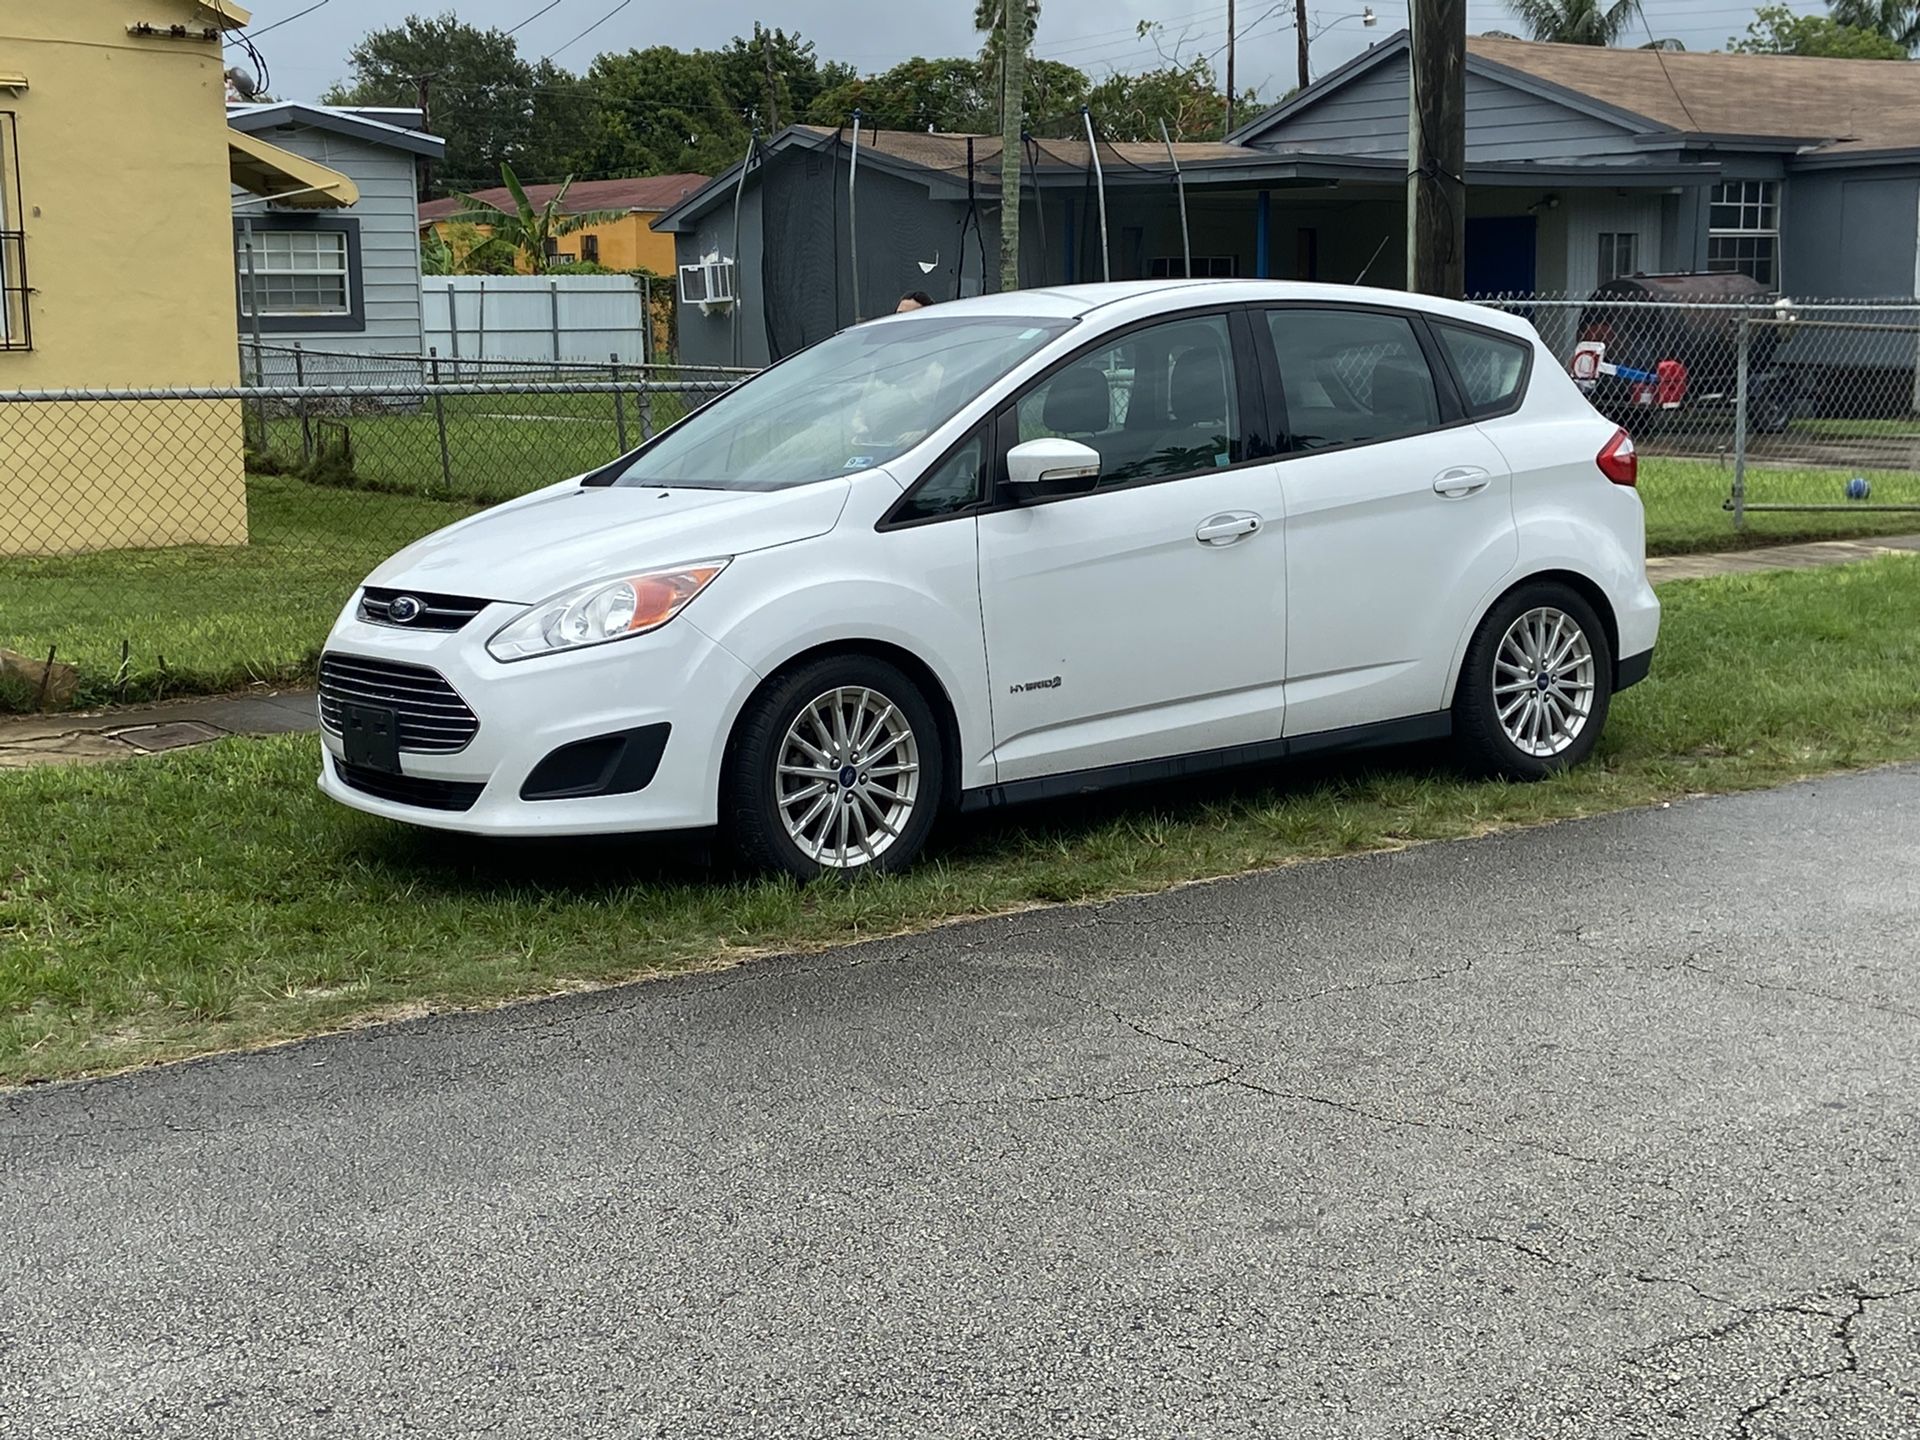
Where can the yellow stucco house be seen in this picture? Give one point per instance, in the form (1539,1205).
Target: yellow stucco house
(122,103)
(628,243)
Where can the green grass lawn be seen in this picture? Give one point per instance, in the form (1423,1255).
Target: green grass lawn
(219,618)
(498,446)
(197,619)
(168,906)
(1685,502)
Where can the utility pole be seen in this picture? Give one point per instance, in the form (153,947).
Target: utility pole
(1437,148)
(1013,64)
(1300,38)
(773,91)
(1230,48)
(423,92)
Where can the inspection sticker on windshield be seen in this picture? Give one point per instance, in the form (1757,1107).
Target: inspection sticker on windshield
(858,462)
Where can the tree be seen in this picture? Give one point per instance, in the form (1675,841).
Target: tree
(480,90)
(1897,20)
(1578,22)
(662,111)
(530,229)
(913,95)
(776,75)
(990,19)
(1778,30)
(563,129)
(1185,96)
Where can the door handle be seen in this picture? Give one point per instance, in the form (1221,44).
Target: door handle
(1225,529)
(1461,480)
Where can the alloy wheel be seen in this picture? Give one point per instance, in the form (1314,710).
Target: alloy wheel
(847,777)
(1543,682)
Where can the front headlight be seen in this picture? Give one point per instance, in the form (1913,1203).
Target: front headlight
(605,610)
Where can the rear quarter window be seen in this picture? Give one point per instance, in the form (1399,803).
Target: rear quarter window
(1492,369)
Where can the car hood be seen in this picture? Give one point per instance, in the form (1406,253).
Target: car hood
(571,534)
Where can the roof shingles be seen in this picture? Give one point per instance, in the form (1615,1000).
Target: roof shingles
(640,192)
(1846,105)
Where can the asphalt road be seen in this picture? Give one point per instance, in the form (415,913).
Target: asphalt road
(1609,1129)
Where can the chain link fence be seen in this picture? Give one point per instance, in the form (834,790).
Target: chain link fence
(167,541)
(1754,421)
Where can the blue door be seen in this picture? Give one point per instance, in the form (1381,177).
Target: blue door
(1500,255)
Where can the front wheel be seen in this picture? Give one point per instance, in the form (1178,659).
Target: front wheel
(837,768)
(1535,688)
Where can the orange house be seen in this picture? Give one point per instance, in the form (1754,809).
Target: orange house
(628,243)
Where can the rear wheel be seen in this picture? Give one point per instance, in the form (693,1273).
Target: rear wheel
(837,768)
(1536,686)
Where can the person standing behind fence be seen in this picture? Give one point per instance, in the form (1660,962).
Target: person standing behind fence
(913,300)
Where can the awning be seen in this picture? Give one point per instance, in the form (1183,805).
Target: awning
(284,177)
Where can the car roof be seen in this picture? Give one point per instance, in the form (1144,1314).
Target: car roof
(1132,299)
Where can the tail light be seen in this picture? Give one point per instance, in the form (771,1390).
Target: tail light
(1618,460)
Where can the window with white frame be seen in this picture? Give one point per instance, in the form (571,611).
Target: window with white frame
(1619,254)
(1743,229)
(298,272)
(16,332)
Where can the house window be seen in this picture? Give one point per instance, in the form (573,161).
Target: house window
(590,248)
(16,331)
(1619,255)
(1743,229)
(1204,266)
(298,273)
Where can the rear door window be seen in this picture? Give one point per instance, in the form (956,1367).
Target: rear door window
(1491,369)
(1351,377)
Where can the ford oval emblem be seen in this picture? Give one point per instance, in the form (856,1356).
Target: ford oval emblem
(404,610)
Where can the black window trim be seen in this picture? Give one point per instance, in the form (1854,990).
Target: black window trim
(982,429)
(1519,397)
(1453,411)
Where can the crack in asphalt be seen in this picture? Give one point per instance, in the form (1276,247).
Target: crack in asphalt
(1721,977)
(1843,1332)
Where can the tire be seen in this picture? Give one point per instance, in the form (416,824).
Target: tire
(1529,734)
(783,747)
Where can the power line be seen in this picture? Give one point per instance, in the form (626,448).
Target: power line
(255,35)
(553,4)
(590,29)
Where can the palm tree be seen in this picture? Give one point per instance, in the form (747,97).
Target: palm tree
(528,229)
(1898,20)
(1578,22)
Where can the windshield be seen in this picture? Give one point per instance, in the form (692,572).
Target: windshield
(848,403)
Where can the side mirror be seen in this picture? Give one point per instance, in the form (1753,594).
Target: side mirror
(1040,469)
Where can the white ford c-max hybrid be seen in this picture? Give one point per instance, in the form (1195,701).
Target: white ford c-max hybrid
(1013,547)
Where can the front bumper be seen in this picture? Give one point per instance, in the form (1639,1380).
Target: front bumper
(530,708)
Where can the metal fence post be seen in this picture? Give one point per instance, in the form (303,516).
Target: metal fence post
(646,320)
(644,395)
(619,404)
(553,316)
(453,330)
(306,420)
(1740,414)
(440,423)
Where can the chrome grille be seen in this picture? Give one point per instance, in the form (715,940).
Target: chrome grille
(437,612)
(432,718)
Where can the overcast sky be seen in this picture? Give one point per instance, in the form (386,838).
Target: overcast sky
(1098,36)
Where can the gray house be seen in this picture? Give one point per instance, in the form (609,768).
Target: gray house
(345,280)
(1583,164)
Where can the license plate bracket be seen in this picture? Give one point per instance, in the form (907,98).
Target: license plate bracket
(370,736)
